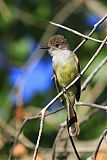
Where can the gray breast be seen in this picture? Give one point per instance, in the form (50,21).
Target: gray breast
(60,56)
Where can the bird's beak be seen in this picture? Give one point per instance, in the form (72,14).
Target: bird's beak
(44,47)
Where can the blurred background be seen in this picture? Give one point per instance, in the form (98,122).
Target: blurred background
(26,72)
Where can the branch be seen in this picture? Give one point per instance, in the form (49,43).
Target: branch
(84,40)
(62,92)
(9,134)
(39,115)
(23,124)
(77,33)
(62,127)
(94,56)
(72,83)
(90,34)
(85,119)
(102,62)
(43,111)
(82,72)
(65,153)
(99,144)
(91,105)
(93,73)
(68,8)
(50,113)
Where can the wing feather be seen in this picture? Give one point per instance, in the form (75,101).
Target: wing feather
(78,83)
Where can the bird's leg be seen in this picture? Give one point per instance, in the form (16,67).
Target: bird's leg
(79,75)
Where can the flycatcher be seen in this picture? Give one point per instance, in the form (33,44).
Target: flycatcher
(66,68)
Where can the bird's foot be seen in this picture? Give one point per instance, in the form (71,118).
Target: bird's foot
(79,74)
(64,89)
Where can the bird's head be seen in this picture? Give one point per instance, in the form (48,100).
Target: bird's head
(56,42)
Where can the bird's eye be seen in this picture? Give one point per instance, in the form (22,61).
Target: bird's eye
(57,45)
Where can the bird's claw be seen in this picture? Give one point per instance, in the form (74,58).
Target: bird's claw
(64,89)
(79,74)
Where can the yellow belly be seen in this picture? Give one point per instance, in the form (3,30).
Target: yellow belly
(66,73)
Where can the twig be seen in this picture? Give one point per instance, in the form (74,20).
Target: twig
(94,56)
(87,117)
(63,126)
(50,113)
(77,33)
(99,144)
(98,67)
(84,40)
(90,34)
(25,121)
(70,137)
(19,132)
(76,79)
(91,105)
(47,114)
(37,55)
(49,31)
(65,153)
(83,71)
(81,149)
(43,111)
(9,134)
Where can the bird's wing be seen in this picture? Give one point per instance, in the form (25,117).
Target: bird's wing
(78,83)
(58,88)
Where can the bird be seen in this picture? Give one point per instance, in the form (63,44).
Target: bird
(66,68)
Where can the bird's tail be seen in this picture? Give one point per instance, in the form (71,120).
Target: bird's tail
(73,126)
